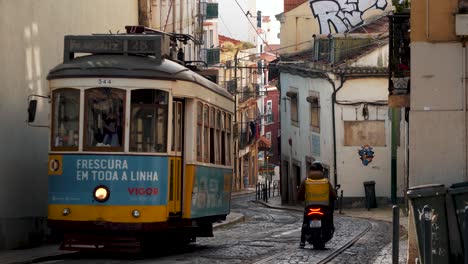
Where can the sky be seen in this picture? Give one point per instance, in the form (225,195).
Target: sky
(234,24)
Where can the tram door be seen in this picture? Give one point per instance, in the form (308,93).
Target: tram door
(175,181)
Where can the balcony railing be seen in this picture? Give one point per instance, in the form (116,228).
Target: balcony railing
(211,56)
(211,10)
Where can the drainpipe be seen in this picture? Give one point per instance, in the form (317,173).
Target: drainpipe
(464,67)
(335,91)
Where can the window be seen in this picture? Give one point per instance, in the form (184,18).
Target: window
(65,119)
(360,133)
(222,152)
(294,108)
(269,112)
(210,41)
(228,139)
(199,131)
(177,126)
(218,137)
(104,119)
(148,130)
(314,101)
(206,139)
(268,135)
(212,136)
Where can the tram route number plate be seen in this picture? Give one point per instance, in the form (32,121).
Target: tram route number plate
(315,223)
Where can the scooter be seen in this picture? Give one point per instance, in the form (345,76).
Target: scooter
(320,227)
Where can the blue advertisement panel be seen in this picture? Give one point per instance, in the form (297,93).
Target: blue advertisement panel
(211,191)
(131,180)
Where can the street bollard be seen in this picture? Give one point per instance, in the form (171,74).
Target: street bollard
(427,235)
(396,234)
(269,189)
(257,191)
(465,235)
(341,202)
(265,193)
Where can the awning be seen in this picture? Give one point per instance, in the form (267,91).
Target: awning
(264,143)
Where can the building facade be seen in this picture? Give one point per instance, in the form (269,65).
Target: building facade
(334,92)
(33,46)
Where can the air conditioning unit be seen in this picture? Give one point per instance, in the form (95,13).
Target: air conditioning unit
(461,24)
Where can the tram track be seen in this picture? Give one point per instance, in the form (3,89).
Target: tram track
(326,259)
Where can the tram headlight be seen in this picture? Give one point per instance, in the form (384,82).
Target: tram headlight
(101,193)
(65,212)
(136,213)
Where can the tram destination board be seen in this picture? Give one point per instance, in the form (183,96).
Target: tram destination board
(113,44)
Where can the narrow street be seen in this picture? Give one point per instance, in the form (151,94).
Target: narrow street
(266,236)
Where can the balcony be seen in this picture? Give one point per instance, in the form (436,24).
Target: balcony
(211,10)
(399,85)
(211,56)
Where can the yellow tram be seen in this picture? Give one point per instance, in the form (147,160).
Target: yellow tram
(140,146)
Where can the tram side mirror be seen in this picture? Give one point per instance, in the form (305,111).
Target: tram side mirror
(32,111)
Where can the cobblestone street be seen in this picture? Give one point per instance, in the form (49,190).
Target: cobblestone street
(267,235)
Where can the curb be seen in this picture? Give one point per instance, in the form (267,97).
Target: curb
(237,219)
(278,207)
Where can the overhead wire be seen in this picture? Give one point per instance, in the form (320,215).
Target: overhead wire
(253,26)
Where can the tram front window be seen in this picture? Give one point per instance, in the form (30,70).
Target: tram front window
(104,119)
(149,117)
(65,119)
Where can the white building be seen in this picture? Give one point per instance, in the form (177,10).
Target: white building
(336,95)
(31,44)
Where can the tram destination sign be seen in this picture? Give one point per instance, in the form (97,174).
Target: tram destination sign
(113,44)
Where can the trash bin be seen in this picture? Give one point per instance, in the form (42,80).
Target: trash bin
(458,197)
(434,196)
(369,189)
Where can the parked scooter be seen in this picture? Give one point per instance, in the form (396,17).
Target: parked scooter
(320,226)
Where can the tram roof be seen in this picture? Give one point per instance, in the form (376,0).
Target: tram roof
(128,66)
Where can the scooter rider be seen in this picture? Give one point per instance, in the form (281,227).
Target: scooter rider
(315,174)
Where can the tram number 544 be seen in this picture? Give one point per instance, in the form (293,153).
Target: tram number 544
(104,81)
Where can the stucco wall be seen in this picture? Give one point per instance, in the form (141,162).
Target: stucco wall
(31,43)
(433,20)
(351,171)
(324,17)
(302,135)
(437,118)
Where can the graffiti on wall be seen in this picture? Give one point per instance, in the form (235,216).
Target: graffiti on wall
(342,15)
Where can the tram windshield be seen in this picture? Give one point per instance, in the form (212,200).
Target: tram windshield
(149,117)
(65,125)
(104,119)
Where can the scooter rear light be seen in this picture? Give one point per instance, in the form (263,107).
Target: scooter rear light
(314,211)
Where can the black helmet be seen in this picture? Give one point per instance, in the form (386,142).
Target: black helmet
(316,166)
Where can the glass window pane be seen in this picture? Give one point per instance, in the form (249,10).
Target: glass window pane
(104,123)
(66,118)
(149,118)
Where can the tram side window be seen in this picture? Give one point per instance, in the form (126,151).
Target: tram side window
(228,138)
(222,145)
(206,139)
(199,131)
(65,119)
(218,137)
(212,136)
(149,120)
(104,119)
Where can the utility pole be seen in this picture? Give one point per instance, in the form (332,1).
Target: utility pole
(236,142)
(143,13)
